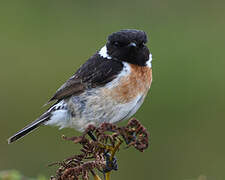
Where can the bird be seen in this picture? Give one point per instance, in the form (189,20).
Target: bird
(108,88)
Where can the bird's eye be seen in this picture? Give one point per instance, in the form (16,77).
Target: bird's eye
(116,43)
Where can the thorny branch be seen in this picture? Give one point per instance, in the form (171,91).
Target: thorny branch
(93,153)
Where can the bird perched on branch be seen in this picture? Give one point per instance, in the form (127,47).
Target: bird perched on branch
(109,87)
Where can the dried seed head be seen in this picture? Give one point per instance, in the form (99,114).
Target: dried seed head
(92,156)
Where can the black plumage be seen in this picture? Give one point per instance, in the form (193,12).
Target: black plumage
(97,71)
(120,46)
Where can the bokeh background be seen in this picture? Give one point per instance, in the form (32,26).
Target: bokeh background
(42,43)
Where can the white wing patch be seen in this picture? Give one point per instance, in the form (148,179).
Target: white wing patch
(103,52)
(125,72)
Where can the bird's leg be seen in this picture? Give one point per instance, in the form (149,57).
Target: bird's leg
(91,136)
(103,146)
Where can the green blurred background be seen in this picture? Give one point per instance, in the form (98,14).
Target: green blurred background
(42,43)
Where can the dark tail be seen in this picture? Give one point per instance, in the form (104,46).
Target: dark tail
(30,127)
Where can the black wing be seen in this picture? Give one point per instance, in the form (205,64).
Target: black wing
(97,71)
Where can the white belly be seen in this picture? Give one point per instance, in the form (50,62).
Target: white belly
(92,109)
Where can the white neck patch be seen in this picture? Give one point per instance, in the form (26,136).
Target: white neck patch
(103,53)
(125,72)
(149,62)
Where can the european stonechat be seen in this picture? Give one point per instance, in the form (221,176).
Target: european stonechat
(108,87)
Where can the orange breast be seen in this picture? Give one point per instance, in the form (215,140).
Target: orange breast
(136,83)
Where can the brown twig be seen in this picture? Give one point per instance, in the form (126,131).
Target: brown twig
(109,137)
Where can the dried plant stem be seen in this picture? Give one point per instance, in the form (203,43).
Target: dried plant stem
(96,177)
(116,148)
(107,176)
(113,151)
(99,154)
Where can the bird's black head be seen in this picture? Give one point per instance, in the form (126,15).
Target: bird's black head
(128,45)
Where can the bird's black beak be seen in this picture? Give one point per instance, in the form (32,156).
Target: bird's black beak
(132,44)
